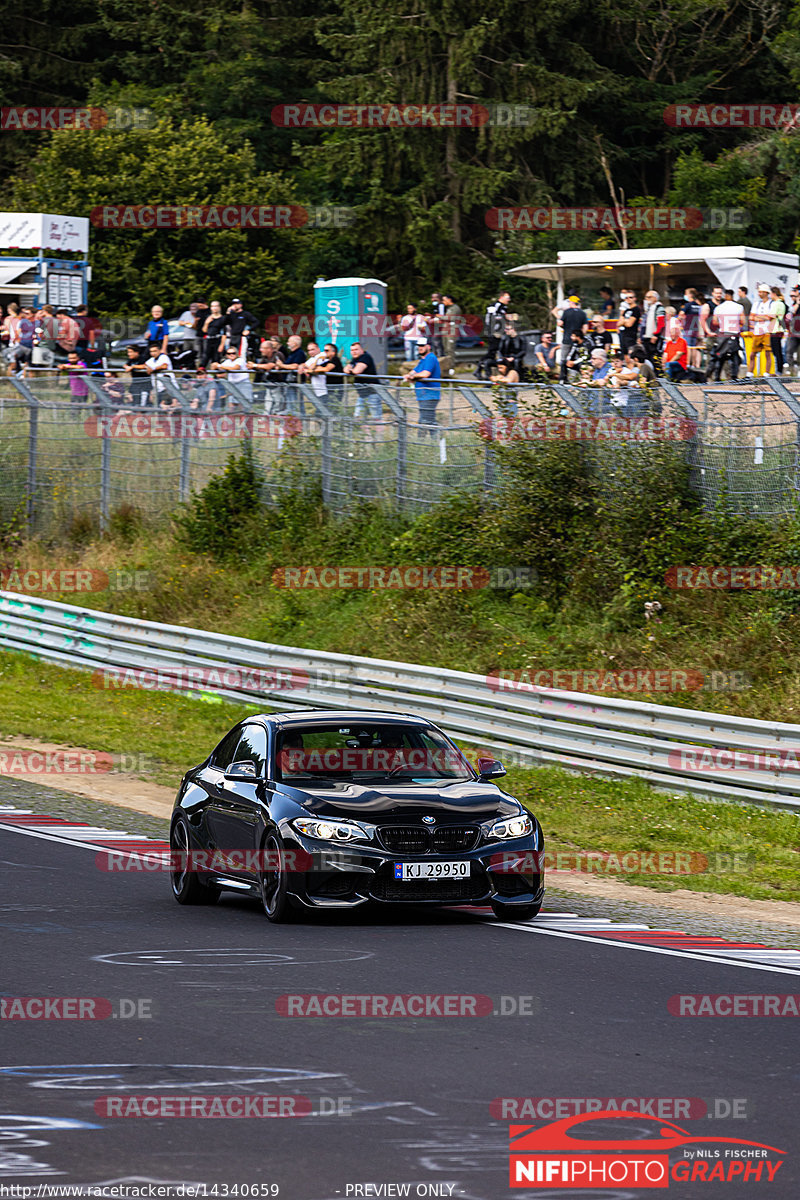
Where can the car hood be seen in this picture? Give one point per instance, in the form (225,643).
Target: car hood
(457,801)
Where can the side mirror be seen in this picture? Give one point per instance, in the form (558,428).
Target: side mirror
(241,770)
(490,768)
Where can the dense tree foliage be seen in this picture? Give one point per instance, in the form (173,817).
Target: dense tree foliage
(596,81)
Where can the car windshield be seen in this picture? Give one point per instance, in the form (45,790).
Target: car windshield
(367,752)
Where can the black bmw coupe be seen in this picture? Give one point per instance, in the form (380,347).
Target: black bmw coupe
(332,810)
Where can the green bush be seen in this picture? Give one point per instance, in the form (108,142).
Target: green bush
(224,519)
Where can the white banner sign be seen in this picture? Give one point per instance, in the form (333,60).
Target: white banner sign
(43,231)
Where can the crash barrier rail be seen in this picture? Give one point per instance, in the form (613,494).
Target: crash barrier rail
(68,458)
(725,757)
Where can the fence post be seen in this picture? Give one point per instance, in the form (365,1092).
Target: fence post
(396,408)
(790,400)
(325,416)
(105,479)
(33,452)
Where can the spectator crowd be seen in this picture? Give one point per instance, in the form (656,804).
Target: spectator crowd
(216,359)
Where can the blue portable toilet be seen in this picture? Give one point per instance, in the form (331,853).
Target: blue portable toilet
(353,310)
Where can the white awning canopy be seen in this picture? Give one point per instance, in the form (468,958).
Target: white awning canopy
(667,269)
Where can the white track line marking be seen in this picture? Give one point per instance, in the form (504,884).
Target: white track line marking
(724,962)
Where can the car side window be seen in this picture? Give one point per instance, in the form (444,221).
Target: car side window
(223,755)
(252,747)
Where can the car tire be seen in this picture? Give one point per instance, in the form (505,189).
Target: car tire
(273,885)
(515,912)
(186,887)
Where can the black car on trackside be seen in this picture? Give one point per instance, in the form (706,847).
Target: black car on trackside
(338,809)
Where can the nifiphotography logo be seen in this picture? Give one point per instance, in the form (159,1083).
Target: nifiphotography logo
(574,1153)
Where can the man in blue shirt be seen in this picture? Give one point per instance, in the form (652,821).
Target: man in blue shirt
(158,328)
(427,377)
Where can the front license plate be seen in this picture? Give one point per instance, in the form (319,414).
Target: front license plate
(432,870)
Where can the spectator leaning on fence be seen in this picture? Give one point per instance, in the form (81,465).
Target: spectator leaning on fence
(426,376)
(361,370)
(139,386)
(159,367)
(600,366)
(234,366)
(76,368)
(310,371)
(333,371)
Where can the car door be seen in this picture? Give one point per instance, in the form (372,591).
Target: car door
(211,779)
(234,814)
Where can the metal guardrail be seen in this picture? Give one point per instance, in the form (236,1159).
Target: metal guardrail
(617,738)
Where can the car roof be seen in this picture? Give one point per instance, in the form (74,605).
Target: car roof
(313,716)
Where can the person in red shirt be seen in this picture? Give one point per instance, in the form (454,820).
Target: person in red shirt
(675,354)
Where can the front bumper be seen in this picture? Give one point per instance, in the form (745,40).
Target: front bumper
(349,875)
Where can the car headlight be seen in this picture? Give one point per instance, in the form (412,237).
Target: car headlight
(511,827)
(330,831)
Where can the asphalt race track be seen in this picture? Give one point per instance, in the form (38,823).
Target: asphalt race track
(576,1011)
